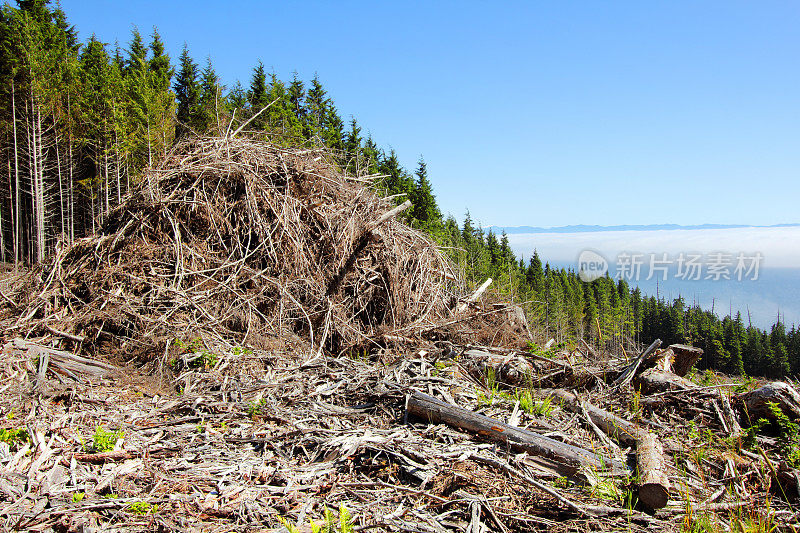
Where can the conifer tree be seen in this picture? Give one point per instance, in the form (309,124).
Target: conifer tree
(208,100)
(297,96)
(352,148)
(137,52)
(187,92)
(425,208)
(159,63)
(237,98)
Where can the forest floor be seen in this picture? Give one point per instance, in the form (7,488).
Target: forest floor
(254,342)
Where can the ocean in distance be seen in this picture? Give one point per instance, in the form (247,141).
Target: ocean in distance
(754,270)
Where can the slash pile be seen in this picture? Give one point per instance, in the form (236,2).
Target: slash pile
(240,240)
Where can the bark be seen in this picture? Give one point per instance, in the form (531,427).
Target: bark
(17,226)
(567,459)
(653,481)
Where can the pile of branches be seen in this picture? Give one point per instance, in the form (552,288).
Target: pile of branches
(242,240)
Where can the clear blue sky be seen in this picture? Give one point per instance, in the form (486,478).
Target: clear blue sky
(535,113)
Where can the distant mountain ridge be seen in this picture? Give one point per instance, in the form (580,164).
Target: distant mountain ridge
(583,228)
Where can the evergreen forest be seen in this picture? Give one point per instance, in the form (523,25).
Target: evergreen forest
(80,121)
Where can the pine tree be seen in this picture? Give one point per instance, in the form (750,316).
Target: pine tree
(352,148)
(208,100)
(425,209)
(258,88)
(159,63)
(137,52)
(237,98)
(316,105)
(297,95)
(187,93)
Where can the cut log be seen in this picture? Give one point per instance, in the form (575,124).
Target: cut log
(754,403)
(684,358)
(512,368)
(654,380)
(653,482)
(567,459)
(516,318)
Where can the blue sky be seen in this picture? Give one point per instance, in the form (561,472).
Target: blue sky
(534,113)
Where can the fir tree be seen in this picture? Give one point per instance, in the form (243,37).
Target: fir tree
(187,92)
(137,52)
(425,208)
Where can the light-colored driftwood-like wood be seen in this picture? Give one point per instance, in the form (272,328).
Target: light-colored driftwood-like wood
(473,297)
(568,459)
(653,481)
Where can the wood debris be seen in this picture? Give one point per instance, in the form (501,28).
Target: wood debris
(255,342)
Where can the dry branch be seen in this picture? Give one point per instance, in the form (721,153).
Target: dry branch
(628,374)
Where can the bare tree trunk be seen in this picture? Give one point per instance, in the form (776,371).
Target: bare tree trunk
(71,190)
(40,238)
(17,226)
(60,189)
(105,171)
(149,144)
(116,167)
(2,228)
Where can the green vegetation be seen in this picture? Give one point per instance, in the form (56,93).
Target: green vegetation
(105,114)
(105,440)
(788,435)
(194,355)
(14,437)
(330,525)
(254,408)
(142,508)
(77,497)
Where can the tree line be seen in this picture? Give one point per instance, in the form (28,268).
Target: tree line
(82,121)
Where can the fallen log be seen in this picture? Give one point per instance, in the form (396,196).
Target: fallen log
(684,358)
(754,404)
(653,481)
(654,380)
(567,459)
(628,374)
